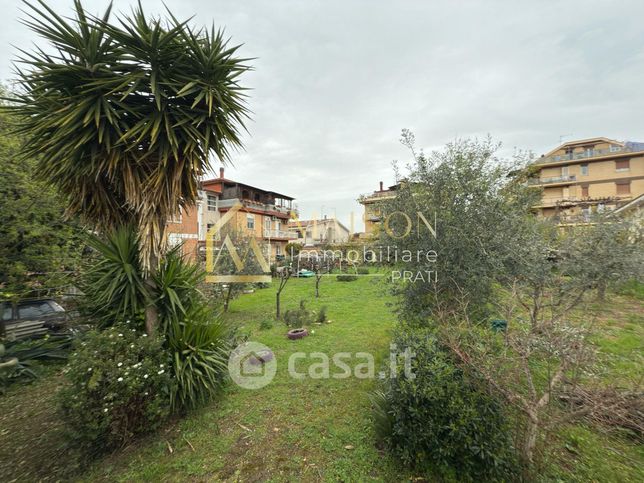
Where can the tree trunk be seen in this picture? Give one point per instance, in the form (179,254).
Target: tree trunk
(151,311)
(317,287)
(601,291)
(277,305)
(227,300)
(530,440)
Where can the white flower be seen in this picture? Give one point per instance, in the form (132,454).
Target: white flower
(119,364)
(119,379)
(131,346)
(160,365)
(105,410)
(145,393)
(312,332)
(89,369)
(161,371)
(145,377)
(145,335)
(120,335)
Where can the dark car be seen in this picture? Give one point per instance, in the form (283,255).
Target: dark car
(29,318)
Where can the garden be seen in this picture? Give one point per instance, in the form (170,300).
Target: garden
(519,359)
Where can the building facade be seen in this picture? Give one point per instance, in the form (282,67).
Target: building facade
(189,227)
(588,176)
(371,202)
(319,232)
(263,214)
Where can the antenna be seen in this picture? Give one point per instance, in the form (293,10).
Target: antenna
(562,136)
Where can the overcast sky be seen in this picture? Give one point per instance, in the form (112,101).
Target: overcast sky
(336,81)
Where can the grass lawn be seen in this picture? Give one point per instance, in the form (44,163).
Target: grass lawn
(302,430)
(295,430)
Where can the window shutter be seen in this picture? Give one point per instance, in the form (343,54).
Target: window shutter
(623,188)
(622,164)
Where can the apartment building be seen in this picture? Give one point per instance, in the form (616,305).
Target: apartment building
(190,226)
(371,202)
(264,213)
(319,232)
(588,176)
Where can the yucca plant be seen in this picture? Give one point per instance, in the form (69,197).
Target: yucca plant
(113,281)
(200,345)
(123,116)
(177,284)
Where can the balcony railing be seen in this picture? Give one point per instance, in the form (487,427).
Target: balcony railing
(554,179)
(592,153)
(279,234)
(257,206)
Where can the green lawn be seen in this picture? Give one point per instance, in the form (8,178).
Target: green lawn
(303,430)
(291,430)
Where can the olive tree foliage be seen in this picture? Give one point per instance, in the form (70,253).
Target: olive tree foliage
(124,114)
(545,302)
(464,193)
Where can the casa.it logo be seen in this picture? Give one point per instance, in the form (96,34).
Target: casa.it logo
(238,261)
(252,365)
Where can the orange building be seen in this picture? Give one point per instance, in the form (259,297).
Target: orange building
(264,214)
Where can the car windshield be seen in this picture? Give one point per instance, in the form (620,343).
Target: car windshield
(35,309)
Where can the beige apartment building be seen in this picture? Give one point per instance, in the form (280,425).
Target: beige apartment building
(588,176)
(372,203)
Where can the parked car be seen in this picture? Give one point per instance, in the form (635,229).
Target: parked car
(305,273)
(29,318)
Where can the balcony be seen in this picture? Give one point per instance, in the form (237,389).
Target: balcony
(279,234)
(256,205)
(592,153)
(554,179)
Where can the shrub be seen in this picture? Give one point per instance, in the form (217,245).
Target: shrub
(298,317)
(362,270)
(321,317)
(119,386)
(346,278)
(266,324)
(199,345)
(442,418)
(112,279)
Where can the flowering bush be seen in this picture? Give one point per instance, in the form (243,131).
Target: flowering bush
(119,386)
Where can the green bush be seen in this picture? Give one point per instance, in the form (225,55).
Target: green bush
(119,386)
(321,317)
(442,419)
(346,278)
(199,345)
(112,279)
(299,317)
(266,324)
(362,270)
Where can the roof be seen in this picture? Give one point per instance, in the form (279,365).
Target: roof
(306,223)
(583,141)
(232,182)
(633,204)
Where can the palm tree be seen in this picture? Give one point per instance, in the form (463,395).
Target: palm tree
(124,115)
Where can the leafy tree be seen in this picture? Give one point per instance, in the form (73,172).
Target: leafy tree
(464,194)
(37,244)
(125,115)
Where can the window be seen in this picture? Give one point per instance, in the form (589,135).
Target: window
(7,312)
(584,169)
(601,207)
(212,203)
(614,149)
(623,187)
(250,222)
(34,310)
(564,171)
(584,191)
(585,212)
(622,165)
(209,227)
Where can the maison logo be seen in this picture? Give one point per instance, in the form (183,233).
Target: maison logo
(239,262)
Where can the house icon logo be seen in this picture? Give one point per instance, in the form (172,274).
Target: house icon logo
(252,365)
